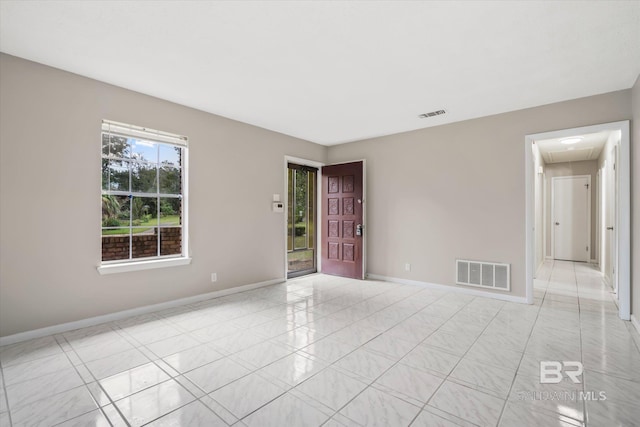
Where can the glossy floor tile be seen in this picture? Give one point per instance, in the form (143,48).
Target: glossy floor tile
(322,350)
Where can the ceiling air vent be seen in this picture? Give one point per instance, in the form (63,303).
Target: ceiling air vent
(432,114)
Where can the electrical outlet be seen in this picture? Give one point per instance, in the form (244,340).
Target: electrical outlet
(407,267)
(214,277)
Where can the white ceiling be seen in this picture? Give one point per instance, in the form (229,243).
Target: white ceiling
(588,148)
(333,72)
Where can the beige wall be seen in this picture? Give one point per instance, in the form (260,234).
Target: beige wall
(50,188)
(635,201)
(458,190)
(589,167)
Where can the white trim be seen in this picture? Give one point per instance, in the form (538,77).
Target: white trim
(459,290)
(544,215)
(624,212)
(92,321)
(623,240)
(186,250)
(303,162)
(125,129)
(601,207)
(636,323)
(529,220)
(553,213)
(548,258)
(318,224)
(594,261)
(142,265)
(596,247)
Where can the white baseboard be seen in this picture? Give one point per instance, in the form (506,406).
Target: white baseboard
(550,258)
(636,323)
(92,321)
(474,292)
(594,261)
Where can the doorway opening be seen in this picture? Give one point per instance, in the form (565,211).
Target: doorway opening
(578,203)
(301,220)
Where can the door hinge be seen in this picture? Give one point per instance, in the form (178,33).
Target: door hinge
(587,248)
(587,185)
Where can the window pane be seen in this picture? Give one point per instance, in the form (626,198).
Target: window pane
(170,211)
(144,178)
(145,151)
(115,247)
(118,175)
(115,146)
(300,211)
(312,208)
(116,212)
(170,180)
(144,211)
(170,155)
(170,241)
(290,222)
(105,174)
(144,242)
(105,144)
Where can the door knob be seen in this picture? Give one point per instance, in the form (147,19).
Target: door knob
(557,223)
(609,228)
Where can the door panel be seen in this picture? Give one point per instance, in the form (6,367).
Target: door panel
(570,218)
(342,192)
(610,221)
(301,220)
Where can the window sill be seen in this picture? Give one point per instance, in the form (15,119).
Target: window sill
(142,265)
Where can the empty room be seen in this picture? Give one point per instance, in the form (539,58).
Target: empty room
(345,213)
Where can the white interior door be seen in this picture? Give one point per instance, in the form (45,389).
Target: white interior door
(570,219)
(610,223)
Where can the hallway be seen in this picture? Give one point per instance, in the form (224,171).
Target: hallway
(578,321)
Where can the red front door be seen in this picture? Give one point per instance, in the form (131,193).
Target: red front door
(342,226)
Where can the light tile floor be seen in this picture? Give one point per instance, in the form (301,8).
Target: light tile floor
(322,350)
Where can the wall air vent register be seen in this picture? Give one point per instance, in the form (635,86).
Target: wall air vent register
(483,274)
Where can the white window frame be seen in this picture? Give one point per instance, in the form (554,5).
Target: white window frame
(159,261)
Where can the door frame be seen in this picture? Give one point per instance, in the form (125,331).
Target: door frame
(623,214)
(319,207)
(554,179)
(597,218)
(318,225)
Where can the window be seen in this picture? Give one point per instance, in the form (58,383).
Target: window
(143,194)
